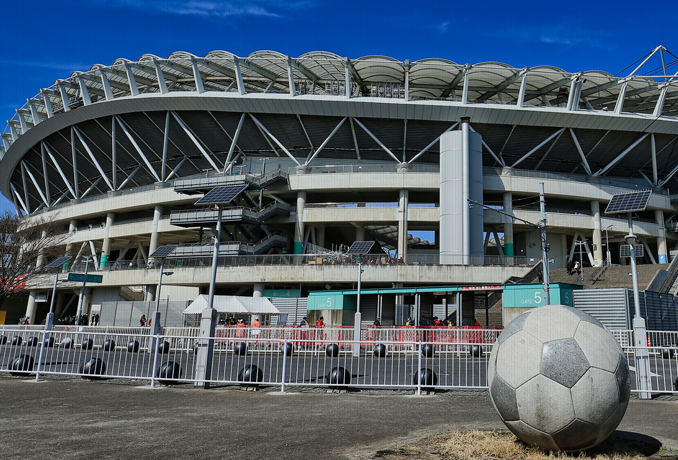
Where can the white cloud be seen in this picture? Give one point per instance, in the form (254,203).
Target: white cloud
(443,26)
(229,8)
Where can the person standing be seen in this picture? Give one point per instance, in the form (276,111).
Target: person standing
(256,322)
(142,321)
(377,322)
(319,322)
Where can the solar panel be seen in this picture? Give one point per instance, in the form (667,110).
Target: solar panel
(360,247)
(628,202)
(59,262)
(222,195)
(164,251)
(625,250)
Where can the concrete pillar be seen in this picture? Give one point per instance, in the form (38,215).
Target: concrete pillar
(150,292)
(106,247)
(508,225)
(403,211)
(72,228)
(41,258)
(597,240)
(299,224)
(468,309)
(60,304)
(360,233)
(320,235)
(31,307)
(662,252)
(155,236)
(258,290)
(84,300)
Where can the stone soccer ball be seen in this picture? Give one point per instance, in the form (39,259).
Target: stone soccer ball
(558,379)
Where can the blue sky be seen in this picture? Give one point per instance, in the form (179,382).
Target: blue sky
(47,40)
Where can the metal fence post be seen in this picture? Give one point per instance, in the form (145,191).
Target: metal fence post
(42,351)
(419,372)
(155,360)
(284,369)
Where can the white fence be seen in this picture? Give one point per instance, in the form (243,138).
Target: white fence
(405,358)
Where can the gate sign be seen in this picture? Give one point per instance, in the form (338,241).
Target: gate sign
(80,277)
(532,295)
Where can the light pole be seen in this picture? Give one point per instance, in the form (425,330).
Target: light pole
(607,245)
(50,316)
(82,292)
(358,316)
(581,261)
(161,253)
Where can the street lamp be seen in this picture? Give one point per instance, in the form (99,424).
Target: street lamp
(607,245)
(358,248)
(581,260)
(88,259)
(50,316)
(161,253)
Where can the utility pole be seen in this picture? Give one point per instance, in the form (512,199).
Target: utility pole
(544,246)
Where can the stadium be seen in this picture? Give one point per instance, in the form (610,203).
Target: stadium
(438,164)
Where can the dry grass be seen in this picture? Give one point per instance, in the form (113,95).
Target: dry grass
(503,445)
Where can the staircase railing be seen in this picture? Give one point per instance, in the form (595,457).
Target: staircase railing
(671,277)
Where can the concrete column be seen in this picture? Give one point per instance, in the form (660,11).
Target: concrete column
(150,292)
(106,247)
(41,258)
(597,240)
(258,290)
(360,233)
(320,235)
(468,309)
(60,304)
(299,224)
(72,228)
(31,307)
(508,225)
(662,251)
(85,302)
(403,211)
(155,236)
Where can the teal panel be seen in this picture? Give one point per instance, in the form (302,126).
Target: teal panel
(330,301)
(282,293)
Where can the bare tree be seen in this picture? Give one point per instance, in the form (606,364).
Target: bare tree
(22,244)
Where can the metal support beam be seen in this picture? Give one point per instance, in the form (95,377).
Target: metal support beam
(376,140)
(58,168)
(131,80)
(585,163)
(47,103)
(34,112)
(498,159)
(114,153)
(290,77)
(84,92)
(74,154)
(527,155)
(108,92)
(274,139)
(44,172)
(91,187)
(93,158)
(174,171)
(35,182)
(425,149)
(64,96)
(129,178)
(322,146)
(355,139)
(162,84)
(523,86)
(464,94)
(619,106)
(621,155)
(18,197)
(196,77)
(195,141)
(238,77)
(231,149)
(165,139)
(138,149)
(653,151)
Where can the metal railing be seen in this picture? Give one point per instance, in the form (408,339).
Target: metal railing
(405,358)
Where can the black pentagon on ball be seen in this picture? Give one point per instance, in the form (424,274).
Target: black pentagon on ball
(287,349)
(3,339)
(428,378)
(21,365)
(132,346)
(504,398)
(93,368)
(380,350)
(339,376)
(67,342)
(87,344)
(514,326)
(623,379)
(164,347)
(16,340)
(563,361)
(332,350)
(240,349)
(427,350)
(32,341)
(109,344)
(250,373)
(49,342)
(577,435)
(168,370)
(476,351)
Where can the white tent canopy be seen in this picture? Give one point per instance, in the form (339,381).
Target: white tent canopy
(233,304)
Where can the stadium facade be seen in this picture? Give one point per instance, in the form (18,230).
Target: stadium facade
(320,151)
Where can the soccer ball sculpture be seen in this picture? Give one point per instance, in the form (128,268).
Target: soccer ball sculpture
(559,379)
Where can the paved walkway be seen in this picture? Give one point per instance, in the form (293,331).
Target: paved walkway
(73,418)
